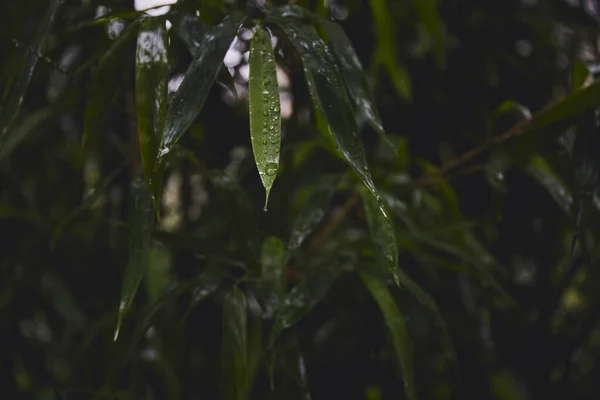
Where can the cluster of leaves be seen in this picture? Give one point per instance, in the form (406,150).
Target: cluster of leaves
(269,296)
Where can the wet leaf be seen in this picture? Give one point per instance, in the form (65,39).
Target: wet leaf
(265,111)
(313,212)
(23,130)
(234,356)
(398,330)
(207,282)
(140,235)
(189,28)
(306,295)
(539,169)
(329,95)
(273,261)
(10,110)
(107,82)
(186,103)
(299,373)
(361,96)
(151,73)
(382,234)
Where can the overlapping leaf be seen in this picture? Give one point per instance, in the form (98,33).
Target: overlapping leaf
(187,101)
(152,67)
(327,91)
(265,111)
(21,83)
(234,347)
(140,235)
(398,330)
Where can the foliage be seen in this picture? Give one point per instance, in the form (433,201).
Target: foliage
(328,199)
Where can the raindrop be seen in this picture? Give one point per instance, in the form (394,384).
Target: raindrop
(271,169)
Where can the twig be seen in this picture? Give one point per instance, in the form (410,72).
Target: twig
(320,238)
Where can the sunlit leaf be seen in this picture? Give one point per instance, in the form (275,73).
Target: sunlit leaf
(354,77)
(434,26)
(313,212)
(234,350)
(186,103)
(328,93)
(140,235)
(382,234)
(265,111)
(306,295)
(10,110)
(23,130)
(398,330)
(151,73)
(107,81)
(273,261)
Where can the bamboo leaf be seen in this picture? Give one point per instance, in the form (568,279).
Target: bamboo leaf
(398,330)
(107,81)
(265,111)
(571,106)
(273,261)
(354,76)
(189,28)
(152,68)
(539,169)
(187,101)
(313,212)
(21,83)
(140,235)
(327,91)
(306,295)
(234,350)
(382,234)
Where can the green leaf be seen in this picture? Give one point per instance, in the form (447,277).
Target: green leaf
(306,295)
(398,330)
(23,130)
(539,169)
(21,83)
(107,81)
(140,236)
(265,111)
(186,103)
(273,261)
(329,95)
(354,77)
(151,72)
(571,106)
(434,26)
(160,264)
(313,212)
(382,234)
(234,350)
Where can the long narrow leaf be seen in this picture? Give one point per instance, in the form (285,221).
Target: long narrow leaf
(313,212)
(273,261)
(398,330)
(18,90)
(265,111)
(187,101)
(24,129)
(234,348)
(140,235)
(106,81)
(328,93)
(152,67)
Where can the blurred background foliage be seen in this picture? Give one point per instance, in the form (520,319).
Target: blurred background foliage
(494,304)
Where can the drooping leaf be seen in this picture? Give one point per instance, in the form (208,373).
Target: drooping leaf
(107,81)
(265,111)
(382,234)
(187,101)
(328,93)
(273,261)
(141,225)
(313,212)
(434,26)
(151,73)
(354,76)
(398,330)
(306,295)
(23,130)
(10,110)
(234,347)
